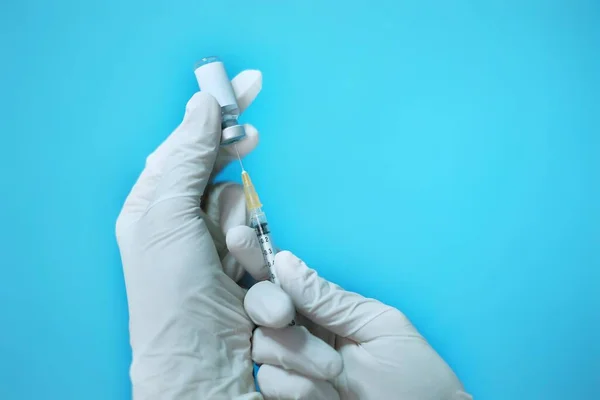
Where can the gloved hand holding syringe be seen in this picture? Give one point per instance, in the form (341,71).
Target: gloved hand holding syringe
(344,347)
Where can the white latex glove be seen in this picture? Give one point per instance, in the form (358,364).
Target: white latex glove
(189,333)
(350,347)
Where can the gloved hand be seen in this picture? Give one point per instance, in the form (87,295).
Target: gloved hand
(189,333)
(350,347)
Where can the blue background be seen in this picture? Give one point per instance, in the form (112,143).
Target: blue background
(442,156)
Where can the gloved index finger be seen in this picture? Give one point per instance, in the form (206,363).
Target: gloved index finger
(243,244)
(246,86)
(344,313)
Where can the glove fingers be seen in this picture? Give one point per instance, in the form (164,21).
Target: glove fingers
(267,305)
(243,244)
(277,383)
(295,348)
(224,203)
(344,313)
(246,86)
(226,206)
(232,268)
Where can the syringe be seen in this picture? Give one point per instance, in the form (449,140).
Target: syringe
(258,221)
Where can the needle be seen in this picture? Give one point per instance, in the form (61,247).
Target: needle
(238,155)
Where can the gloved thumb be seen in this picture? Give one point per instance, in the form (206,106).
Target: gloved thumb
(181,166)
(344,313)
(194,150)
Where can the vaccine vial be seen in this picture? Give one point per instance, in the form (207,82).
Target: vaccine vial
(212,78)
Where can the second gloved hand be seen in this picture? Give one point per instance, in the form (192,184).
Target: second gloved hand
(350,347)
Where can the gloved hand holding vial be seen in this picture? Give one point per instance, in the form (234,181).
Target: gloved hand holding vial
(194,332)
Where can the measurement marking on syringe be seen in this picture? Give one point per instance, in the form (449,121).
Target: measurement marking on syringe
(258,221)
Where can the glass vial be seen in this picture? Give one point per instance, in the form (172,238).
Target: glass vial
(212,78)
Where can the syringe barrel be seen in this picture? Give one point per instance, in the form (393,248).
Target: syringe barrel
(258,222)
